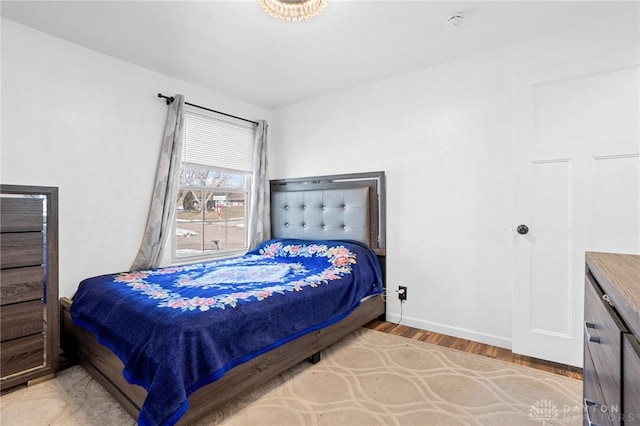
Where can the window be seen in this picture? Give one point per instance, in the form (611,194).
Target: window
(212,210)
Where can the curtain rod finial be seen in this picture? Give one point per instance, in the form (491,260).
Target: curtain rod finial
(168,99)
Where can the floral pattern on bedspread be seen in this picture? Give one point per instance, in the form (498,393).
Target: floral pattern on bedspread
(247,274)
(178,328)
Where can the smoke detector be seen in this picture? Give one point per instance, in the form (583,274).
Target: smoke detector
(456,19)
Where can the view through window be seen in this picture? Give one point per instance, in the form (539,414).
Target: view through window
(212,208)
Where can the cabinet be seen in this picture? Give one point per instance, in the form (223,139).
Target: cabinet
(611,330)
(29,308)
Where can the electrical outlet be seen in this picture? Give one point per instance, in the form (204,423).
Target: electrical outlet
(402,293)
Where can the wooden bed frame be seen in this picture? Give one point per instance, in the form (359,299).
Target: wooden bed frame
(106,368)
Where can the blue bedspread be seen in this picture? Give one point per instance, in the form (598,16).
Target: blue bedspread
(179,328)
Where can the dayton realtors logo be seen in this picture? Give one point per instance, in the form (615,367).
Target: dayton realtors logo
(543,410)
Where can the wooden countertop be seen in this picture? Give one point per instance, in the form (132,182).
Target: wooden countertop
(619,277)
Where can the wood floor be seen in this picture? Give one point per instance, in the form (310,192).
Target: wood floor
(475,348)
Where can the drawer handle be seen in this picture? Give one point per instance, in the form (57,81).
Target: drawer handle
(588,403)
(594,339)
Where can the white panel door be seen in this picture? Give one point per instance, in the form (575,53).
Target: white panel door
(577,189)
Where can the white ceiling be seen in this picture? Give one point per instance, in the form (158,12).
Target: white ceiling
(233,48)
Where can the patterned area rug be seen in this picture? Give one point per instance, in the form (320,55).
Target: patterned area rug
(368,378)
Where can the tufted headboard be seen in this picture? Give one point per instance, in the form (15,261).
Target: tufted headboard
(348,207)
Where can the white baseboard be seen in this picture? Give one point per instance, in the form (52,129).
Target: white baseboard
(462,333)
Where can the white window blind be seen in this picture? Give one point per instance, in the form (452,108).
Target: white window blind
(216,142)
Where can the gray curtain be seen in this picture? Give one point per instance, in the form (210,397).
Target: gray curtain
(163,203)
(259,217)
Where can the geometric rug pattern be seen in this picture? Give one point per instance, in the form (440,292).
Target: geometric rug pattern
(367,378)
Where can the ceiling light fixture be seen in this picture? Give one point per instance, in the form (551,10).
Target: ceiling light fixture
(293,10)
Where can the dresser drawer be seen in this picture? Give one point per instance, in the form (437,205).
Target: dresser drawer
(631,379)
(21,249)
(603,334)
(21,214)
(21,319)
(593,398)
(21,284)
(21,354)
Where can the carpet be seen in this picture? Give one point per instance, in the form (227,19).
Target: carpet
(367,378)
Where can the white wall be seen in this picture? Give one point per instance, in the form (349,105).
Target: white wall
(91,125)
(444,137)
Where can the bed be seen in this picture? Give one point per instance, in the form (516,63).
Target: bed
(217,333)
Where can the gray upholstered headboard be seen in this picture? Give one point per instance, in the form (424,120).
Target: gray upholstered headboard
(348,207)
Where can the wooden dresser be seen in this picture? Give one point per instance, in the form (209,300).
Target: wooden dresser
(29,308)
(612,331)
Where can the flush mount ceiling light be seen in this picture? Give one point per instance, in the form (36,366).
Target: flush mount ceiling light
(293,10)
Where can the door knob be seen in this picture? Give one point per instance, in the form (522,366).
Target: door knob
(522,229)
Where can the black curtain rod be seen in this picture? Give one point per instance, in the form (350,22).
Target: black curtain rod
(170,99)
